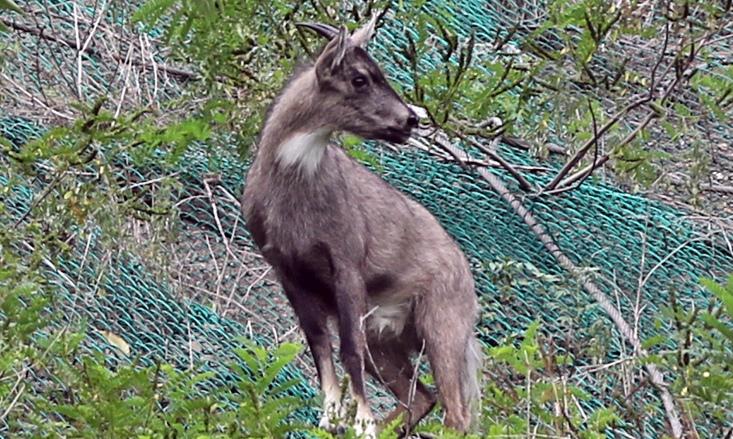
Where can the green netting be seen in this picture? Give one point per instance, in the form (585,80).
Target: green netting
(598,227)
(117,293)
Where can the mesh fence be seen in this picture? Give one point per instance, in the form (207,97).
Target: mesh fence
(602,229)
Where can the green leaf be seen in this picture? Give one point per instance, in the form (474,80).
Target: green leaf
(10,5)
(654,341)
(151,11)
(284,354)
(603,418)
(717,324)
(504,352)
(349,141)
(721,292)
(249,359)
(284,387)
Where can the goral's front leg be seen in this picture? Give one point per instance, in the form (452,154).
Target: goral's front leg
(351,301)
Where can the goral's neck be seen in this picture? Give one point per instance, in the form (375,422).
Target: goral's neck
(293,136)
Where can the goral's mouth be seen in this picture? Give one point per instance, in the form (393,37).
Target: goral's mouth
(396,135)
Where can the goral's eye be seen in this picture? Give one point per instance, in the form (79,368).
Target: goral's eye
(359,81)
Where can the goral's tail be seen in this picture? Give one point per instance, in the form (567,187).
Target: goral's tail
(471,381)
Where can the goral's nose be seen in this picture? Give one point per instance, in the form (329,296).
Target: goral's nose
(412,120)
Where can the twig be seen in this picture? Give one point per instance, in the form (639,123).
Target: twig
(46,191)
(486,163)
(626,377)
(441,142)
(151,181)
(35,99)
(240,274)
(214,260)
(593,140)
(640,288)
(564,409)
(290,331)
(413,386)
(698,45)
(723,189)
(19,382)
(523,144)
(529,391)
(190,337)
(523,183)
(582,176)
(127,62)
(252,285)
(597,163)
(587,370)
(653,82)
(81,48)
(215,212)
(174,71)
(77,46)
(672,253)
(84,256)
(154,97)
(257,317)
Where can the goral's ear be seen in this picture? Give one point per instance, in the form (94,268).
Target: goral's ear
(333,55)
(361,36)
(342,43)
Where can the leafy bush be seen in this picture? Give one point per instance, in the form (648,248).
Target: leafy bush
(702,358)
(51,386)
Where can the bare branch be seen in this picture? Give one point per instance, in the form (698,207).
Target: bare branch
(523,183)
(599,162)
(516,142)
(175,71)
(596,137)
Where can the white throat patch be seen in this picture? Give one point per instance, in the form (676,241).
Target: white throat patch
(304,150)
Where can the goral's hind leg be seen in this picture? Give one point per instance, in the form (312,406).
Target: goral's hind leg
(444,319)
(388,362)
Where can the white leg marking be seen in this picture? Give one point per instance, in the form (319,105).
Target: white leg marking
(333,411)
(364,424)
